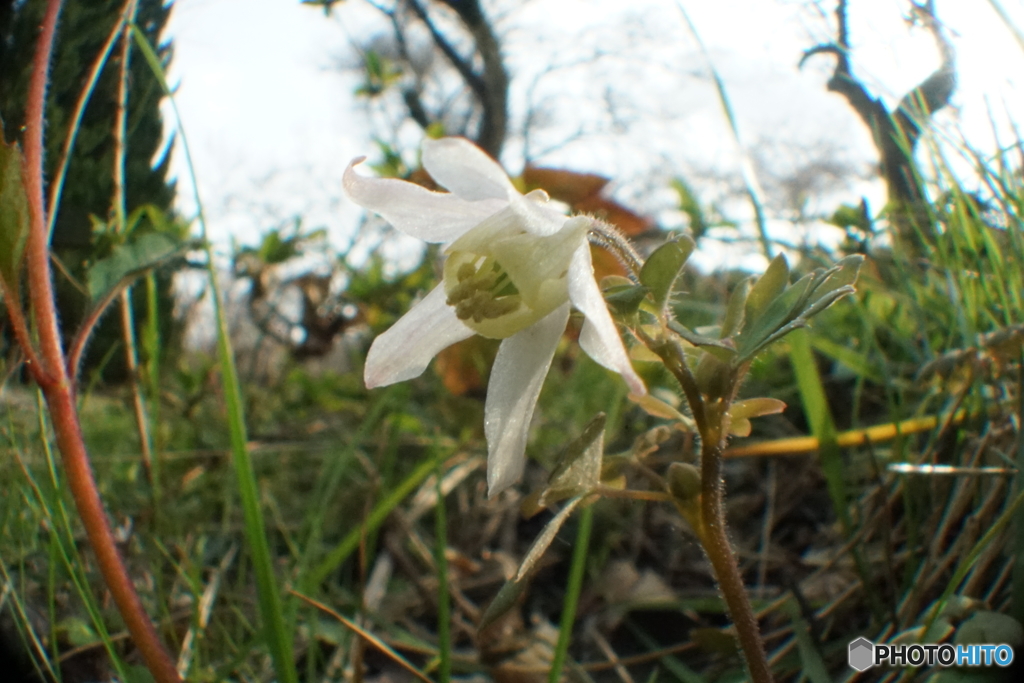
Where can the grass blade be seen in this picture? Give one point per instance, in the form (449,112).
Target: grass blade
(750,181)
(278,639)
(444,637)
(572,593)
(374,520)
(823,428)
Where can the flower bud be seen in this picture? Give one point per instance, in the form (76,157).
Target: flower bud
(684,481)
(714,377)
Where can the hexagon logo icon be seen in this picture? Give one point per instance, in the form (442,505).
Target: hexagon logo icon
(861,654)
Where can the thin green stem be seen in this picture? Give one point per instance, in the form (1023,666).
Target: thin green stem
(278,637)
(57,183)
(572,594)
(444,637)
(120,211)
(753,187)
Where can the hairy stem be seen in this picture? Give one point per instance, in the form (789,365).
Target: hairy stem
(57,385)
(716,544)
(607,236)
(709,417)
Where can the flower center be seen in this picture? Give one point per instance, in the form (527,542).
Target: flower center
(484,291)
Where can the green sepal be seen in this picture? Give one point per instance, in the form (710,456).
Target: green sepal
(622,295)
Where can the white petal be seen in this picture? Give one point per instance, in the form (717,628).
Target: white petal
(537,217)
(518,374)
(405,350)
(466,170)
(599,337)
(415,210)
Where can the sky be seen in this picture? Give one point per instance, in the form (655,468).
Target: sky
(272,121)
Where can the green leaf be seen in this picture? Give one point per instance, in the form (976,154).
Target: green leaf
(146,252)
(578,469)
(756,407)
(580,466)
(791,310)
(760,327)
(510,592)
(689,204)
(663,267)
(735,310)
(138,674)
(847,216)
(768,286)
(813,664)
(721,348)
(841,275)
(540,545)
(990,627)
(78,631)
(504,601)
(14,225)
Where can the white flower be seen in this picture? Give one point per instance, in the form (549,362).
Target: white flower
(514,266)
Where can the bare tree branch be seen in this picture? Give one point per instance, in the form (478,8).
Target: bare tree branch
(490,87)
(895,134)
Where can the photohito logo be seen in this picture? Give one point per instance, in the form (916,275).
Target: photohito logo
(863,654)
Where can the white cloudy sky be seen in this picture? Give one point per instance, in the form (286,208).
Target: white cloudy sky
(272,122)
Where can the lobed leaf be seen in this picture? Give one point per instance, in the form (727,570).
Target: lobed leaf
(795,305)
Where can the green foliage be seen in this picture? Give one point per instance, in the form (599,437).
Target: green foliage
(690,205)
(622,295)
(14,224)
(778,308)
(380,72)
(144,253)
(343,477)
(512,589)
(663,267)
(88,187)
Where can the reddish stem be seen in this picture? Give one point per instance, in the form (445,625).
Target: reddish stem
(36,249)
(90,508)
(57,385)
